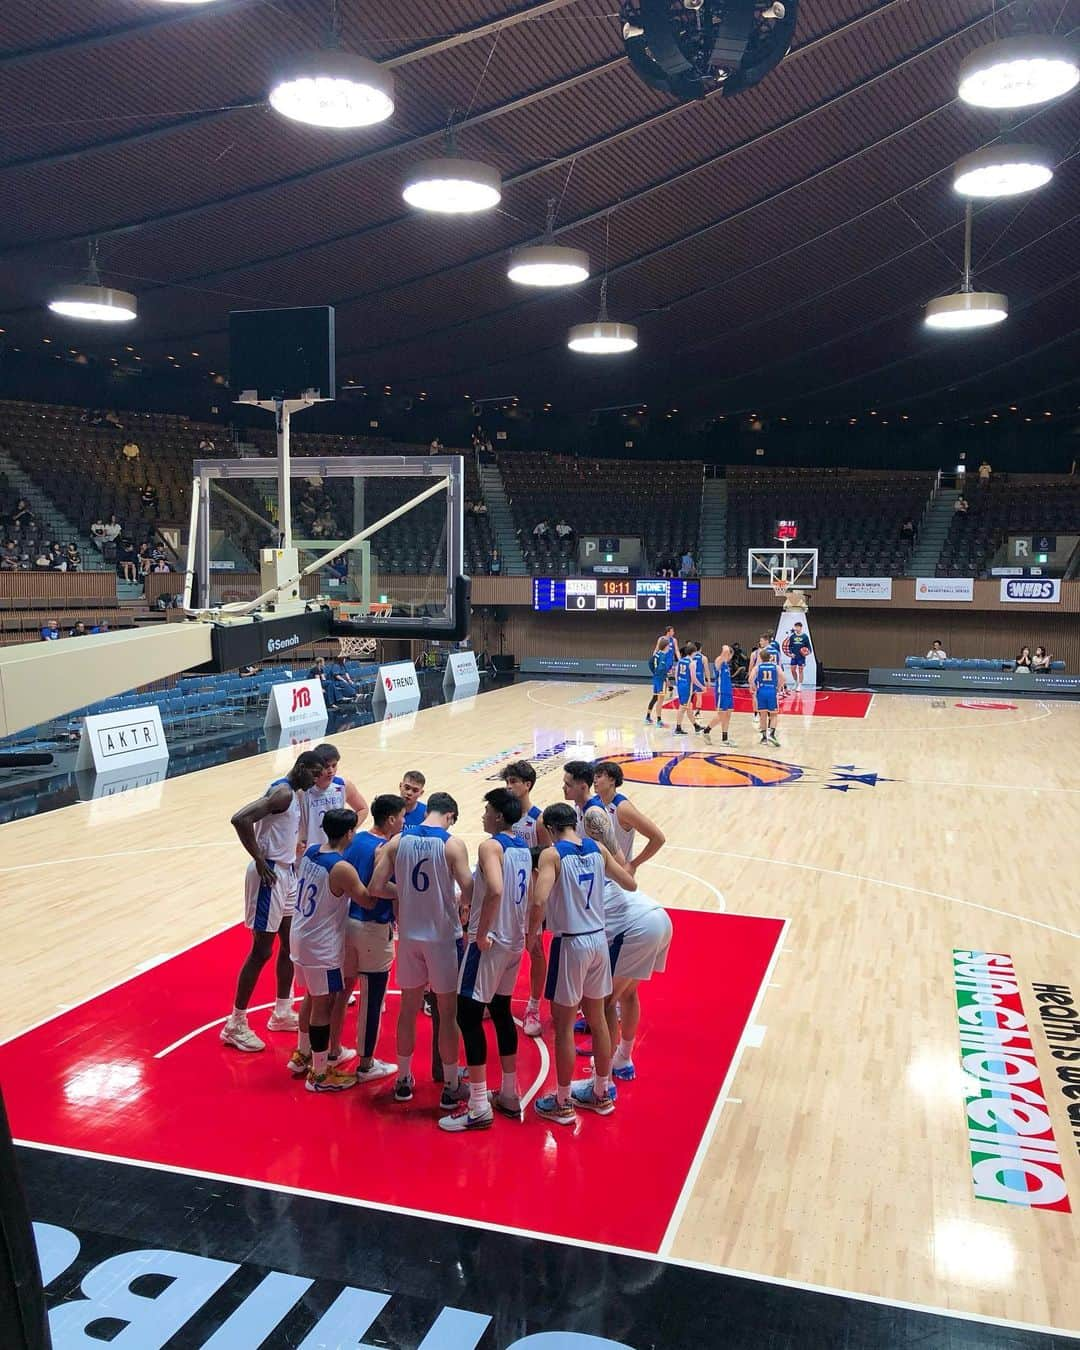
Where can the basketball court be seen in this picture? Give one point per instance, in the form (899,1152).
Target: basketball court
(799,1116)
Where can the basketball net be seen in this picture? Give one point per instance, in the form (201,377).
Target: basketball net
(780,584)
(357,648)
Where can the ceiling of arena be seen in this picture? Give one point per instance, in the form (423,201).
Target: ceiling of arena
(775,248)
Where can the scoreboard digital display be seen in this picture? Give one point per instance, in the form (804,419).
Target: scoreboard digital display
(583,595)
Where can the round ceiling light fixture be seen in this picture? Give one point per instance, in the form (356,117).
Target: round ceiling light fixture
(333,88)
(548,265)
(1019,72)
(965,310)
(453,186)
(602,337)
(1003,171)
(89,299)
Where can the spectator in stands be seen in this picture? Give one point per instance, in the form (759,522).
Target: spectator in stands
(79,630)
(686,563)
(1042,660)
(1023,660)
(541,529)
(102,627)
(143,560)
(907,531)
(113,530)
(112,420)
(494,563)
(22,518)
(57,558)
(42,559)
(960,506)
(130,450)
(436,447)
(563,530)
(207,447)
(9,556)
(148,496)
(985,471)
(937,652)
(161,566)
(50,630)
(126,559)
(481,508)
(248,671)
(98,535)
(73,557)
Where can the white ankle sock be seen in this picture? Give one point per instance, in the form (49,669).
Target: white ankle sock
(303,1043)
(282,1006)
(404,1066)
(478,1099)
(625,1052)
(533,1005)
(239,1017)
(509,1084)
(451,1075)
(319,1061)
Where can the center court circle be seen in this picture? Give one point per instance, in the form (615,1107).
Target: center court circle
(697,769)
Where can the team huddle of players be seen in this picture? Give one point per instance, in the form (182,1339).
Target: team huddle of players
(348,889)
(681,670)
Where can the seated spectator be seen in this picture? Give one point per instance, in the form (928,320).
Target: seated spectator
(57,558)
(130,450)
(79,630)
(686,564)
(436,447)
(148,496)
(1041,660)
(112,530)
(160,567)
(1023,660)
(248,671)
(73,557)
(126,559)
(102,627)
(98,535)
(9,556)
(541,529)
(494,563)
(42,560)
(111,419)
(937,652)
(985,471)
(143,560)
(907,531)
(206,445)
(563,530)
(481,508)
(337,685)
(50,630)
(960,506)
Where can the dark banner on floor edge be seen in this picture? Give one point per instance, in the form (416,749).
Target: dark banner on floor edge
(164,1260)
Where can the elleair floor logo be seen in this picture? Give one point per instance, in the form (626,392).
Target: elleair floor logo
(733,769)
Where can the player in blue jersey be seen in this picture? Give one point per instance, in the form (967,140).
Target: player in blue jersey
(725,695)
(498,921)
(686,685)
(329,792)
(269,828)
(520,779)
(326,886)
(799,649)
(702,680)
(569,894)
(411,785)
(660,664)
(751,673)
(429,869)
(769,679)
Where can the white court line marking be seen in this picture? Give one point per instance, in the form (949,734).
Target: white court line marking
(721,903)
(875,881)
(120,853)
(485,1226)
(705,1143)
(987,787)
(1005,725)
(755,1035)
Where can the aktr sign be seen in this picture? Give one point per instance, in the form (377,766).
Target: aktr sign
(295,705)
(118,740)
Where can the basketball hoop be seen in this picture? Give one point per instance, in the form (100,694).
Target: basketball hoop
(780,584)
(357,648)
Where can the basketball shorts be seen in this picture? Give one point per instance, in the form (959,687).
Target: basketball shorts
(641,951)
(659,679)
(485,974)
(369,947)
(423,964)
(266,906)
(766,699)
(725,700)
(682,693)
(797,662)
(319,980)
(578,967)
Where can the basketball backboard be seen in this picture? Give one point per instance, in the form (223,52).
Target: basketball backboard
(775,567)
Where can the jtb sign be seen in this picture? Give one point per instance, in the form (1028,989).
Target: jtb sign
(295,705)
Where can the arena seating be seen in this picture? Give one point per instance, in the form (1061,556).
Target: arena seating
(970,663)
(657,499)
(851,517)
(1007,505)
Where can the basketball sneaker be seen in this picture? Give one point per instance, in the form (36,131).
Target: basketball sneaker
(241,1037)
(531,1022)
(680,732)
(287,1021)
(462,1120)
(333,1080)
(403,1089)
(299,1063)
(625,1073)
(583,1094)
(550,1108)
(343,1056)
(378,1068)
(764,739)
(452,1094)
(773,738)
(648,720)
(507,1106)
(660,724)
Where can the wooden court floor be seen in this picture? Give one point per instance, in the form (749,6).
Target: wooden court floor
(839,1152)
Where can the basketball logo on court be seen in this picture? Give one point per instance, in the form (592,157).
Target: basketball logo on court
(696,769)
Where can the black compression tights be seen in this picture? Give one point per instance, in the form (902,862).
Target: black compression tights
(470,1018)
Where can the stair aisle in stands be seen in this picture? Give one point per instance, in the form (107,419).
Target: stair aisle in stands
(712,558)
(59,527)
(502,521)
(932,533)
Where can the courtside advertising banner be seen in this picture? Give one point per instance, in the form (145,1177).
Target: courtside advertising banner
(112,742)
(945,588)
(1031,590)
(864,588)
(397,687)
(295,705)
(462,675)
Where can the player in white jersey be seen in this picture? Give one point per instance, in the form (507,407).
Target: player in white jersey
(425,863)
(329,792)
(520,779)
(269,829)
(326,883)
(626,820)
(638,932)
(577,786)
(569,892)
(498,920)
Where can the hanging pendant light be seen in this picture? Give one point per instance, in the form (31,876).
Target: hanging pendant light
(548,264)
(1019,72)
(91,300)
(602,337)
(452,186)
(1003,170)
(967,308)
(331,87)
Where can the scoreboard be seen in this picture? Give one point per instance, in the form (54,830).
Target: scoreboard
(587,594)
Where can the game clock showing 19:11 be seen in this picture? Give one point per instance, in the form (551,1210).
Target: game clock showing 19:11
(586,595)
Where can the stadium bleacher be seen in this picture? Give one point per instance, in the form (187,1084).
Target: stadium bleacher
(1004,506)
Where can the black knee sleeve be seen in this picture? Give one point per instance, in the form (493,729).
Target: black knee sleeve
(505,1027)
(376,992)
(320,1037)
(470,1018)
